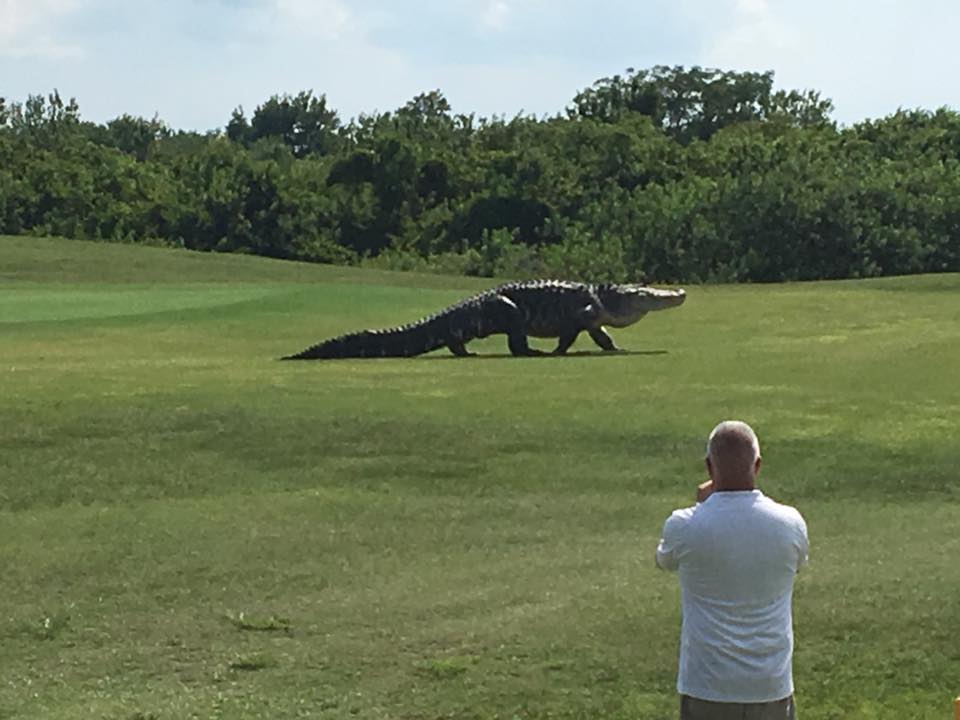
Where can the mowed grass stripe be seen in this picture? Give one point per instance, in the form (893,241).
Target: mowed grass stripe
(192,528)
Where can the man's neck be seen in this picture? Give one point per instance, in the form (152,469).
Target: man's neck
(741,486)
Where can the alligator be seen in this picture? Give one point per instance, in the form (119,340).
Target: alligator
(537,308)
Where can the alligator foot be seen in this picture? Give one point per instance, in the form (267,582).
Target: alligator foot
(459,349)
(601,338)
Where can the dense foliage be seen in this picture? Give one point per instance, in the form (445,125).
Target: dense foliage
(667,174)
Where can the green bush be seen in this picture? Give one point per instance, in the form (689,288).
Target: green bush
(667,175)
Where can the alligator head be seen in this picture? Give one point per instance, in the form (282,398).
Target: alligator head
(625,304)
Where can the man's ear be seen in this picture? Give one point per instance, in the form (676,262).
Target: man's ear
(756,466)
(709,466)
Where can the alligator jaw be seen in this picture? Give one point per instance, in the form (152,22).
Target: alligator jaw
(663,299)
(626,304)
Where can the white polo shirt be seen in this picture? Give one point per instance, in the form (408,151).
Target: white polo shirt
(737,554)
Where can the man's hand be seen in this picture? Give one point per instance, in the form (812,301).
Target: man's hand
(704,490)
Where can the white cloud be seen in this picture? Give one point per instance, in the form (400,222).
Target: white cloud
(501,15)
(327,19)
(751,33)
(28,28)
(495,15)
(866,58)
(193,61)
(755,7)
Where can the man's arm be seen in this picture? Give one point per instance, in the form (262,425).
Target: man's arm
(803,542)
(667,557)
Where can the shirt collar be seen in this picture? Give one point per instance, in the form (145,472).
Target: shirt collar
(736,494)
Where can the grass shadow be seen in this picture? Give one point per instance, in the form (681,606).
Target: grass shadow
(251,663)
(547,356)
(493,356)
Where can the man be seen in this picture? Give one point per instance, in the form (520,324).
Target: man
(737,552)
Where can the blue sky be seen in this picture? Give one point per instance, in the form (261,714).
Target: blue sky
(193,61)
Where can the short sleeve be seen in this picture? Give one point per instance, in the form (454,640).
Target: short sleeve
(668,550)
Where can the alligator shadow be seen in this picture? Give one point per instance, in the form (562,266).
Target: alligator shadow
(545,356)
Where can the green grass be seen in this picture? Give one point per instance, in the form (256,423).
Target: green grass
(190,528)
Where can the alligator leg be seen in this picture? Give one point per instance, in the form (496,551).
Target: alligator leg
(517,342)
(566,340)
(510,321)
(459,349)
(601,338)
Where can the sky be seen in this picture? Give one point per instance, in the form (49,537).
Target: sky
(192,62)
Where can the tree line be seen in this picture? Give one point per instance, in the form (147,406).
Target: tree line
(668,174)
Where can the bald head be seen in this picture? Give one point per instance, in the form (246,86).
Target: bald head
(733,455)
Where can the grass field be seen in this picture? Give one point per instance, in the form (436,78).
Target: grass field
(191,529)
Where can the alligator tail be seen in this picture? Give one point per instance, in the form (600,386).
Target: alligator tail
(405,341)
